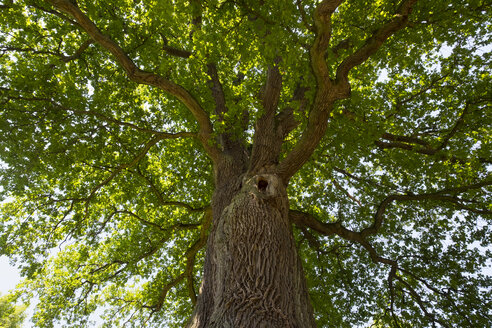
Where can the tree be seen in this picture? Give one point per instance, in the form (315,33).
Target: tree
(248,163)
(11,315)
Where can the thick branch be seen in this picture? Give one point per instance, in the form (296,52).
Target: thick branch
(302,219)
(326,94)
(312,135)
(322,22)
(268,139)
(142,77)
(399,21)
(217,91)
(307,220)
(272,89)
(226,138)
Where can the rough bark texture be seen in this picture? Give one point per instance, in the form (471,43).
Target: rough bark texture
(253,276)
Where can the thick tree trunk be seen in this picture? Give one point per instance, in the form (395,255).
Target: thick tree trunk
(252,276)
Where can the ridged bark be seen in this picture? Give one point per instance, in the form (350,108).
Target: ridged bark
(253,275)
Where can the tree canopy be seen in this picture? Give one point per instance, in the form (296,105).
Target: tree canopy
(113,115)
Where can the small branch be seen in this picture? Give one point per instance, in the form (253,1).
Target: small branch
(410,142)
(8,4)
(175,227)
(342,45)
(433,84)
(174,51)
(455,128)
(124,166)
(405,146)
(339,187)
(308,26)
(420,302)
(190,255)
(164,202)
(364,180)
(398,22)
(414,140)
(391,289)
(285,121)
(162,296)
(446,195)
(79,51)
(108,119)
(193,250)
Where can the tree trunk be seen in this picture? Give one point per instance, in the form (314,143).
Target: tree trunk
(252,275)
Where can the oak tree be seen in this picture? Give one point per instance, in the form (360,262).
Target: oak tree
(221,163)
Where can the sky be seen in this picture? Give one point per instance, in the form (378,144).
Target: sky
(9,276)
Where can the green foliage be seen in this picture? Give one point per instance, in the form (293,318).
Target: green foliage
(107,191)
(11,315)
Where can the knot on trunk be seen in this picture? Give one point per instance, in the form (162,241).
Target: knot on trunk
(262,185)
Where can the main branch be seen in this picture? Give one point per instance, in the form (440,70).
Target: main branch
(326,93)
(142,77)
(328,90)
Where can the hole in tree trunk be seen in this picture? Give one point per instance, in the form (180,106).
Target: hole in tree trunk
(262,185)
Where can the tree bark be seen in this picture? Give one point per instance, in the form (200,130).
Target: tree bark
(253,276)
